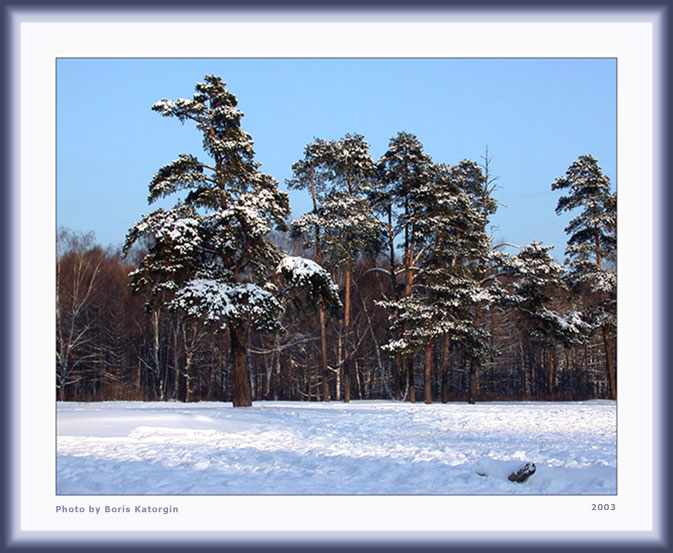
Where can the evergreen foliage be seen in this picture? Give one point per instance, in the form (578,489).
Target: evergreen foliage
(210,258)
(592,248)
(592,234)
(230,314)
(343,175)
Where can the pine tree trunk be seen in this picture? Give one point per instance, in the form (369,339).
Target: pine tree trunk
(242,394)
(410,374)
(347,378)
(408,289)
(176,363)
(445,368)
(398,372)
(524,369)
(610,365)
(209,390)
(397,378)
(321,312)
(347,359)
(427,375)
(472,387)
(323,356)
(340,346)
(550,372)
(139,382)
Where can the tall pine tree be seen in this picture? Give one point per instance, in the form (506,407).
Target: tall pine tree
(592,250)
(456,254)
(313,173)
(210,259)
(405,171)
(534,280)
(343,220)
(475,262)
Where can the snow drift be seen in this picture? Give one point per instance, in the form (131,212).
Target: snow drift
(365,447)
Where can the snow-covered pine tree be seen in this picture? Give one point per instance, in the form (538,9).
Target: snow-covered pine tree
(382,198)
(416,319)
(448,215)
(592,250)
(405,171)
(210,260)
(473,264)
(313,173)
(450,270)
(343,213)
(534,279)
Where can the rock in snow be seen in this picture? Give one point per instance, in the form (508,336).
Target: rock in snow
(514,471)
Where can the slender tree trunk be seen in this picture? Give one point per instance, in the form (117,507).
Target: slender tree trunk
(209,390)
(347,377)
(408,289)
(410,374)
(139,382)
(472,387)
(340,348)
(251,368)
(323,356)
(375,343)
(398,375)
(222,379)
(597,241)
(609,362)
(427,375)
(242,394)
(445,368)
(347,353)
(155,352)
(358,379)
(190,345)
(610,365)
(321,310)
(524,369)
(534,380)
(190,394)
(276,378)
(550,372)
(397,378)
(269,373)
(178,381)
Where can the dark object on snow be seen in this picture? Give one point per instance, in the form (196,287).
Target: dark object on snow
(522,474)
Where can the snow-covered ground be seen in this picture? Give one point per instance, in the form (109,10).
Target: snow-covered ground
(365,447)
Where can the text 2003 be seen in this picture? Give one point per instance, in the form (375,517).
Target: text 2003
(603,507)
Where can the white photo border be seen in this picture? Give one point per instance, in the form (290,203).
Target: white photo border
(38,38)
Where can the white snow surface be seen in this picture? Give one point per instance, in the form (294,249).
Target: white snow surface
(365,447)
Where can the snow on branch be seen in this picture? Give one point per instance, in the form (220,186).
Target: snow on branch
(306,275)
(184,172)
(222,304)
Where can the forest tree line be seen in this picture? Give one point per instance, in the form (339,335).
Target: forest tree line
(389,288)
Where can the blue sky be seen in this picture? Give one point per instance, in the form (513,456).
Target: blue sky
(536,116)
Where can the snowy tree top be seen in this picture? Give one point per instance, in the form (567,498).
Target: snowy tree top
(592,241)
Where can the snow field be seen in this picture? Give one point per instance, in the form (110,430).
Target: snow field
(365,447)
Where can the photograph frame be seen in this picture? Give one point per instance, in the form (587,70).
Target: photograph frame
(12,14)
